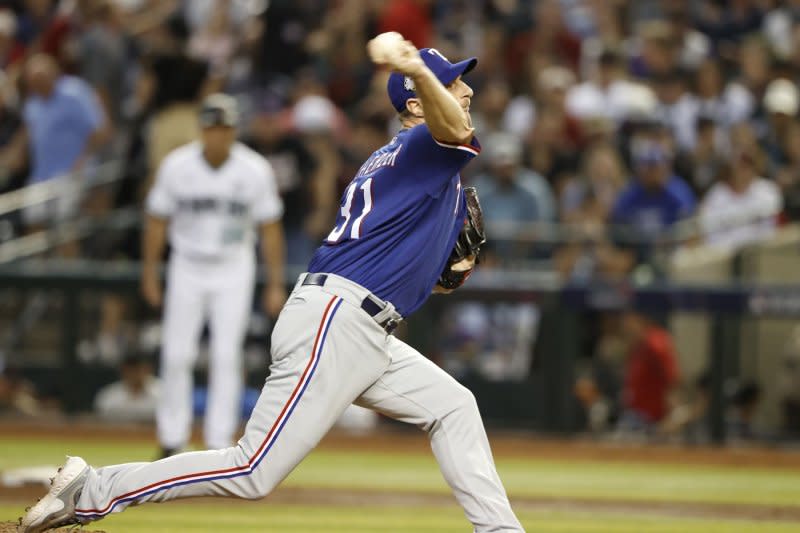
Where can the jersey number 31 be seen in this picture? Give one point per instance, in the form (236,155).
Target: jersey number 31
(347,215)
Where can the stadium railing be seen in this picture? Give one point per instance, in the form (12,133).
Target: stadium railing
(559,344)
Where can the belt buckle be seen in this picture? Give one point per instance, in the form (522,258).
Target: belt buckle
(315,278)
(390,325)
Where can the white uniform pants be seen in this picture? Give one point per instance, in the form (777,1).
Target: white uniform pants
(222,293)
(327,353)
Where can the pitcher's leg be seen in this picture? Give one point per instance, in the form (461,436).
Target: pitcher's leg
(184,313)
(416,391)
(229,313)
(317,372)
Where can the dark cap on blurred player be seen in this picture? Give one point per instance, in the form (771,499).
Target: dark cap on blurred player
(219,110)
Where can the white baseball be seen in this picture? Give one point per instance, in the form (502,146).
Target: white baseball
(384,47)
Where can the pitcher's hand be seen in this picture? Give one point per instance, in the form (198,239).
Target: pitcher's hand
(393,51)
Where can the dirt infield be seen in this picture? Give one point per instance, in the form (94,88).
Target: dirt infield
(11,527)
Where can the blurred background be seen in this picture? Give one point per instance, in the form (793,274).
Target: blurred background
(640,179)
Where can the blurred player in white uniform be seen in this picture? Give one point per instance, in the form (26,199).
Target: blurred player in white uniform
(208,197)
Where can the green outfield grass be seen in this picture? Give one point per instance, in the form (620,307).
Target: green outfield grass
(369,470)
(263,517)
(522,477)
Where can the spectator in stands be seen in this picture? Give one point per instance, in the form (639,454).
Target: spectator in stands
(788,387)
(693,46)
(787,172)
(754,63)
(306,167)
(513,198)
(586,202)
(651,373)
(727,103)
(586,253)
(688,420)
(318,122)
(678,106)
(216,39)
(727,23)
(174,83)
(34,20)
(741,416)
(658,51)
(491,341)
(412,18)
(742,207)
(338,46)
(134,397)
(597,387)
(550,89)
(602,177)
(13,151)
(11,50)
(18,395)
(602,97)
(64,127)
(545,40)
(199,13)
(103,54)
(656,198)
(550,151)
(492,106)
(56,26)
(704,160)
(289,23)
(781,102)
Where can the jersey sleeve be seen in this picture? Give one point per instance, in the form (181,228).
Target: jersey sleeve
(161,200)
(267,204)
(433,163)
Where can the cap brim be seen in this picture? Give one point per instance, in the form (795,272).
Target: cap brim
(459,69)
(215,119)
(216,125)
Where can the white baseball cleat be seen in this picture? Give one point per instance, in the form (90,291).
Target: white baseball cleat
(57,508)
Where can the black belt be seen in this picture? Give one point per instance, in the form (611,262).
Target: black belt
(370,306)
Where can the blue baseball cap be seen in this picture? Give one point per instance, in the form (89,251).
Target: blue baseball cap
(649,153)
(401,87)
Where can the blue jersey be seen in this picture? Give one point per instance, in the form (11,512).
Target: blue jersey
(399,219)
(653,211)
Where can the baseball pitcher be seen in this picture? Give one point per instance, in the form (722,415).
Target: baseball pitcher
(405,229)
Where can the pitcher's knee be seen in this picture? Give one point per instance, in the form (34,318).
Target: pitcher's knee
(461,402)
(256,484)
(260,485)
(467,400)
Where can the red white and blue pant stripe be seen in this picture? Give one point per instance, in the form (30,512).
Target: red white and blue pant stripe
(261,453)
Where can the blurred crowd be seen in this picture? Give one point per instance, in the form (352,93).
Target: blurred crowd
(613,131)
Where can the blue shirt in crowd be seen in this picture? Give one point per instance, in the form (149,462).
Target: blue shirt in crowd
(650,212)
(60,126)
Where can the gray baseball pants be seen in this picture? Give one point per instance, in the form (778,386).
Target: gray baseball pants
(327,353)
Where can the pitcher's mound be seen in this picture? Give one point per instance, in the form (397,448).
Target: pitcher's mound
(11,527)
